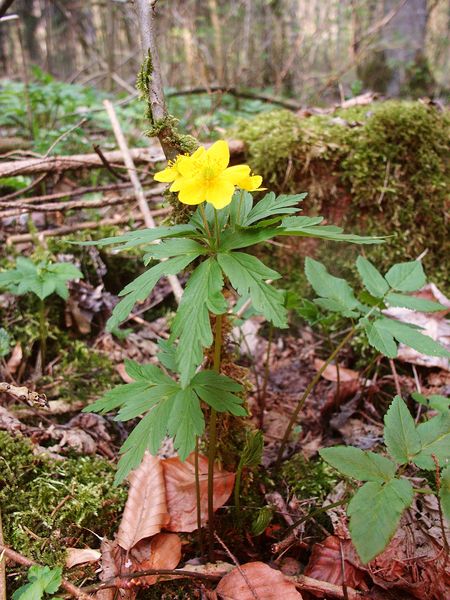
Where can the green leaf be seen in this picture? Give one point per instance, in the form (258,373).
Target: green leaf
(142,287)
(359,464)
(413,303)
(325,232)
(435,439)
(375,511)
(400,435)
(174,247)
(192,324)
(133,239)
(232,239)
(372,279)
(42,580)
(167,355)
(186,422)
(5,342)
(217,391)
(444,492)
(271,206)
(435,401)
(251,454)
(240,206)
(247,275)
(336,294)
(381,339)
(410,336)
(407,276)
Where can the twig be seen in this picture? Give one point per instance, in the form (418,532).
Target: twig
(309,584)
(63,135)
(108,165)
(398,388)
(72,589)
(24,190)
(139,192)
(2,564)
(67,194)
(238,566)
(4,7)
(64,230)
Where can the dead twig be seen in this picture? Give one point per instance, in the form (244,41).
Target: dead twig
(108,165)
(238,566)
(72,589)
(2,564)
(308,584)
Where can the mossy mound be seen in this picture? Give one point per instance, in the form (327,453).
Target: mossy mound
(379,169)
(49,505)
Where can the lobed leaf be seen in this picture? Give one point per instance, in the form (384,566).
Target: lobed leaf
(272,206)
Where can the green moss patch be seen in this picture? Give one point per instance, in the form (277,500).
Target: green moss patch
(379,169)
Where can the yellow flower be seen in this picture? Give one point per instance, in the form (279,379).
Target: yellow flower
(172,172)
(251,183)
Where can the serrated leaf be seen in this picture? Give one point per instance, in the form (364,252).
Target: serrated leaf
(167,355)
(142,287)
(435,401)
(174,247)
(247,275)
(435,439)
(411,337)
(360,464)
(192,324)
(217,391)
(271,206)
(186,422)
(375,511)
(42,580)
(336,294)
(132,239)
(232,239)
(326,232)
(372,279)
(400,435)
(413,303)
(444,492)
(381,339)
(240,206)
(407,276)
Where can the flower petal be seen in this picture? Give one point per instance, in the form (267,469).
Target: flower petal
(166,175)
(188,166)
(251,184)
(192,191)
(219,153)
(219,192)
(237,173)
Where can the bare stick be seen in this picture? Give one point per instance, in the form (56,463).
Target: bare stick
(29,237)
(107,165)
(139,192)
(323,587)
(2,564)
(4,7)
(73,590)
(238,93)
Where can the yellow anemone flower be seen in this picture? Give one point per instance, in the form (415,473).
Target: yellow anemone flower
(209,178)
(251,183)
(172,172)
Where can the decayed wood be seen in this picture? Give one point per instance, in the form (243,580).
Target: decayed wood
(77,161)
(23,393)
(65,229)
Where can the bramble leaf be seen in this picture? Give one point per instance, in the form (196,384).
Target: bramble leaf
(435,439)
(375,511)
(413,303)
(247,275)
(434,401)
(372,279)
(336,294)
(406,276)
(410,336)
(400,435)
(359,464)
(381,339)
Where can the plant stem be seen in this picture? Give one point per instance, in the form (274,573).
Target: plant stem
(262,395)
(198,495)
(205,220)
(42,332)
(238,215)
(237,491)
(216,219)
(213,440)
(307,392)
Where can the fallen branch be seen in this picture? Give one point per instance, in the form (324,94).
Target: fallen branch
(308,584)
(77,161)
(67,194)
(238,93)
(24,394)
(65,229)
(72,589)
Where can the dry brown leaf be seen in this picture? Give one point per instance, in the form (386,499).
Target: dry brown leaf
(145,512)
(112,564)
(331,372)
(180,489)
(256,581)
(325,563)
(120,368)
(15,359)
(161,552)
(79,556)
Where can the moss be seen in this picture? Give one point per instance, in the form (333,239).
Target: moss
(385,173)
(307,478)
(48,505)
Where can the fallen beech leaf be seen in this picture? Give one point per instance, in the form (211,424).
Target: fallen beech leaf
(145,512)
(331,372)
(256,581)
(161,552)
(120,368)
(15,359)
(325,563)
(79,556)
(180,489)
(113,562)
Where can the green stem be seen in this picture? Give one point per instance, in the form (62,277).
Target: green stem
(198,495)
(237,492)
(238,215)
(213,440)
(262,396)
(216,219)
(314,513)
(307,392)
(205,220)
(42,332)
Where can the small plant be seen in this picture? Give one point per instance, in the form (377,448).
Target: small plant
(376,508)
(43,583)
(42,279)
